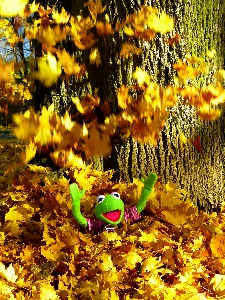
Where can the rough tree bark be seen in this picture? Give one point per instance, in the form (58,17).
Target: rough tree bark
(199,173)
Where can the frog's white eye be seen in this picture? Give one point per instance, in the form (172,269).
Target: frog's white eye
(116,195)
(100,198)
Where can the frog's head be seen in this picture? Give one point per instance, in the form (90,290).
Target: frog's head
(109,208)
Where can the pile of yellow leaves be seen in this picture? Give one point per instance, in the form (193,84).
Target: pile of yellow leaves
(174,252)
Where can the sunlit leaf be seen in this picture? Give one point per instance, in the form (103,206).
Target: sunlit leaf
(62,17)
(16,7)
(49,70)
(141,76)
(95,56)
(8,272)
(104,28)
(218,245)
(70,66)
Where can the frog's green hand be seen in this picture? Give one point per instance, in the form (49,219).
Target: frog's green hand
(76,195)
(148,186)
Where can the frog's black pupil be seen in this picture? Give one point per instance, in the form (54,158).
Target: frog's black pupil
(100,199)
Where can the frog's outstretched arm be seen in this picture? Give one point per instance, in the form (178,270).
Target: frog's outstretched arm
(76,197)
(148,186)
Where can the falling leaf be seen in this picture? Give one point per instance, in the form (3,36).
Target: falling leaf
(128,49)
(211,53)
(128,31)
(49,70)
(6,71)
(95,7)
(221,75)
(123,97)
(141,76)
(33,7)
(162,23)
(16,7)
(67,122)
(208,113)
(70,66)
(84,131)
(196,142)
(62,17)
(87,104)
(97,143)
(29,153)
(104,28)
(95,56)
(49,36)
(66,159)
(174,39)
(183,139)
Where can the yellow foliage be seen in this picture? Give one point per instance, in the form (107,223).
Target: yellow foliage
(95,7)
(96,143)
(218,283)
(47,36)
(70,66)
(15,8)
(47,292)
(6,71)
(141,77)
(104,28)
(87,104)
(162,23)
(211,53)
(61,17)
(127,49)
(95,56)
(49,70)
(218,245)
(173,252)
(105,262)
(8,272)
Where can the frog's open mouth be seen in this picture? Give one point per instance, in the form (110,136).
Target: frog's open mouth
(112,215)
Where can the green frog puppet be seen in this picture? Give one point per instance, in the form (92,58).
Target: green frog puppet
(109,209)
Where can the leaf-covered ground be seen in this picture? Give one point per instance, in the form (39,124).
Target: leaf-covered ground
(174,252)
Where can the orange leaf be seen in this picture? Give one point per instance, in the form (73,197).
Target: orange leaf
(6,70)
(174,39)
(217,245)
(129,49)
(196,142)
(123,96)
(104,28)
(97,143)
(70,66)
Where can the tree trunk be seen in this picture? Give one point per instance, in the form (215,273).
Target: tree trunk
(201,174)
